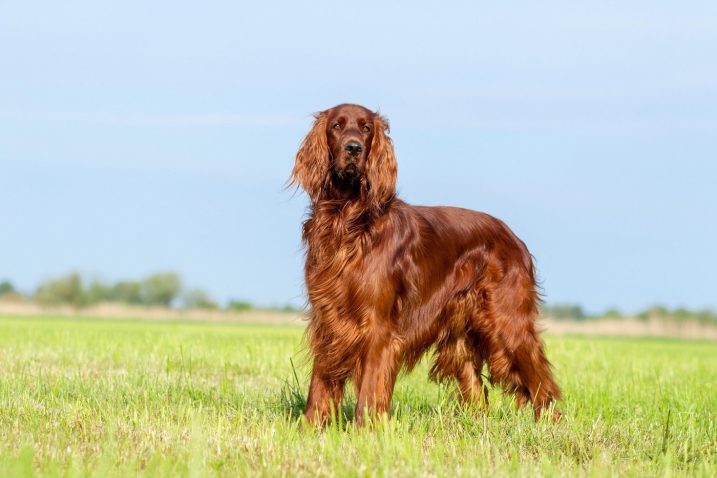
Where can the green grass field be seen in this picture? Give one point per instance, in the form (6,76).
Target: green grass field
(128,398)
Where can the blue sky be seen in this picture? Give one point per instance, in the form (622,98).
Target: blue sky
(137,137)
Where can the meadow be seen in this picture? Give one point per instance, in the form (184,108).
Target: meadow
(83,397)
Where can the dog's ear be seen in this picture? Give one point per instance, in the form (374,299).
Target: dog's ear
(311,167)
(381,166)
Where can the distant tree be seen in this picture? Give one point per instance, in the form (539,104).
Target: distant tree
(239,306)
(6,287)
(706,315)
(564,312)
(161,288)
(128,292)
(613,313)
(682,314)
(654,312)
(97,291)
(63,290)
(198,299)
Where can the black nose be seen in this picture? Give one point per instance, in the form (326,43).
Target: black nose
(353,148)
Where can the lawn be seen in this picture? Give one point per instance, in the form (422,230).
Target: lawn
(82,397)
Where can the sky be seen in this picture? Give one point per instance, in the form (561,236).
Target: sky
(146,136)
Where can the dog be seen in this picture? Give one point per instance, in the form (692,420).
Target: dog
(387,281)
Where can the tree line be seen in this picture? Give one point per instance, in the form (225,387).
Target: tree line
(655,312)
(164,289)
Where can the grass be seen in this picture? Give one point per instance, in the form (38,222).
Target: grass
(137,398)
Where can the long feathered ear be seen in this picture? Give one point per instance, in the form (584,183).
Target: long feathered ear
(381,166)
(312,160)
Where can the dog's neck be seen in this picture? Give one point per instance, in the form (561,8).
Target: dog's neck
(344,188)
(339,223)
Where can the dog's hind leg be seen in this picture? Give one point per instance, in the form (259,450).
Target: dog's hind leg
(470,385)
(534,370)
(516,354)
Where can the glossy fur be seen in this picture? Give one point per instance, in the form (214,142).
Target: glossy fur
(387,281)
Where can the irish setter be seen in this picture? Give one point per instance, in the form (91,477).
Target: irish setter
(387,280)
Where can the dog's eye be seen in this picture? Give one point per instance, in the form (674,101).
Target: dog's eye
(337,126)
(366,129)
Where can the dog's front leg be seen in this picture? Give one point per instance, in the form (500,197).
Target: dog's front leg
(377,378)
(325,394)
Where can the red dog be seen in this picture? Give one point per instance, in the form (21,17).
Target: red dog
(387,280)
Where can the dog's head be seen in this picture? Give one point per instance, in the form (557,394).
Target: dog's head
(347,155)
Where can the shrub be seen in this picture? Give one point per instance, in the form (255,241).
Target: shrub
(128,292)
(161,288)
(613,313)
(198,299)
(96,292)
(564,312)
(6,287)
(63,290)
(239,306)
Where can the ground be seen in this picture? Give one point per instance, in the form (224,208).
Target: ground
(83,397)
